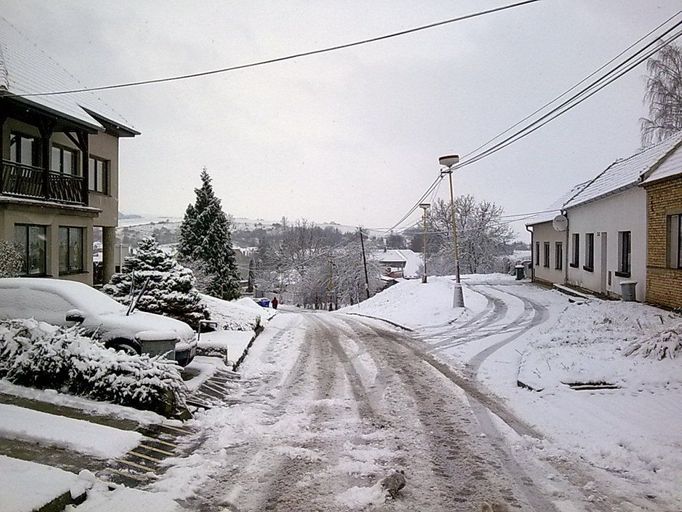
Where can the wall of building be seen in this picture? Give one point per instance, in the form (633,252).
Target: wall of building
(625,211)
(542,233)
(52,219)
(664,284)
(105,146)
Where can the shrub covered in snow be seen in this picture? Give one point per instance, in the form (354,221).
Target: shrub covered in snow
(10,259)
(240,315)
(44,356)
(171,288)
(662,345)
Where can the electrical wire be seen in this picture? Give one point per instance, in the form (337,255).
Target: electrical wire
(287,57)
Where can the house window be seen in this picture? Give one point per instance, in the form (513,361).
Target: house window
(675,241)
(98,175)
(32,241)
(24,149)
(546,255)
(558,255)
(64,160)
(589,252)
(624,253)
(575,260)
(70,250)
(537,253)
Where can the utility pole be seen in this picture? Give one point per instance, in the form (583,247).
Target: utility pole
(364,261)
(424,206)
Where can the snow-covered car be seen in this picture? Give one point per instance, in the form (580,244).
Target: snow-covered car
(69,303)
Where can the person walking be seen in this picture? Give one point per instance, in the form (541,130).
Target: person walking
(274,302)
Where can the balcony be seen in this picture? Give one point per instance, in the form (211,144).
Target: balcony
(26,181)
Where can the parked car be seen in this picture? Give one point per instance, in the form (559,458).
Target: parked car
(69,303)
(263,301)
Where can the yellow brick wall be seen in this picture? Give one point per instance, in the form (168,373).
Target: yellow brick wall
(663,284)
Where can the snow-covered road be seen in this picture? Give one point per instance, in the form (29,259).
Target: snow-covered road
(330,405)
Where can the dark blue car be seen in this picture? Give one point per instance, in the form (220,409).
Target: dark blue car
(263,302)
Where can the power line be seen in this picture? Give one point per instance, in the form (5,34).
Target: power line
(287,57)
(572,102)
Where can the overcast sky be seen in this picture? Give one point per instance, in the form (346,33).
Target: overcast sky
(352,136)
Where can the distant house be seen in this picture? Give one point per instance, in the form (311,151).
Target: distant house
(664,233)
(600,238)
(59,175)
(399,262)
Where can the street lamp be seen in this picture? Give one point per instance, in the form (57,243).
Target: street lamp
(424,206)
(449,161)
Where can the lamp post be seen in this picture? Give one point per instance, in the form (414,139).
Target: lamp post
(449,161)
(425,207)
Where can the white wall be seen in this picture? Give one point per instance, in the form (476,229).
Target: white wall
(625,211)
(542,233)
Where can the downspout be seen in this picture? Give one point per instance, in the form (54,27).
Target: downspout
(532,255)
(568,229)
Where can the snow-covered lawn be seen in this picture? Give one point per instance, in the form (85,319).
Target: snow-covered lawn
(515,331)
(78,435)
(239,315)
(27,486)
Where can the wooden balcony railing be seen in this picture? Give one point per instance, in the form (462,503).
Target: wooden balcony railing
(23,180)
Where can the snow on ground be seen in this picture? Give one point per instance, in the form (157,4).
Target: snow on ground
(51,430)
(414,304)
(54,397)
(123,499)
(246,422)
(238,315)
(26,486)
(534,335)
(228,345)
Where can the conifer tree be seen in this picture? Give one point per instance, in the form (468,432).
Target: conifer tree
(205,243)
(171,288)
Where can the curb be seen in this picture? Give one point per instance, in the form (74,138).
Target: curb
(394,324)
(239,361)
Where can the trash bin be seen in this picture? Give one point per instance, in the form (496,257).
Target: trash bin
(628,290)
(520,274)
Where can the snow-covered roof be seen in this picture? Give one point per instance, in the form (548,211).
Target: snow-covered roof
(411,259)
(555,208)
(625,173)
(26,68)
(670,167)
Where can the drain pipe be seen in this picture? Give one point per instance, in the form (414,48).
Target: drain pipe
(532,257)
(568,229)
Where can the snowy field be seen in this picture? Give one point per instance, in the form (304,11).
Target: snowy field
(591,401)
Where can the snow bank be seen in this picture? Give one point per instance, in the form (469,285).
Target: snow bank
(123,499)
(240,315)
(228,345)
(27,486)
(664,344)
(415,304)
(78,435)
(44,356)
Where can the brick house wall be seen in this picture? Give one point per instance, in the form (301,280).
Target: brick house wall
(664,284)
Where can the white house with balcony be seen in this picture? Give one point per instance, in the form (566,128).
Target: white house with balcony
(60,164)
(597,238)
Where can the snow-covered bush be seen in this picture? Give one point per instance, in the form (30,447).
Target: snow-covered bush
(10,259)
(240,315)
(171,288)
(44,356)
(662,345)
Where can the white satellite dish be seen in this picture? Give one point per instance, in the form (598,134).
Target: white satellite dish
(560,223)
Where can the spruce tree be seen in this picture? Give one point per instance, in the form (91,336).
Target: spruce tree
(206,243)
(171,288)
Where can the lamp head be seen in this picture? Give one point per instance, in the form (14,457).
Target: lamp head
(425,206)
(448,160)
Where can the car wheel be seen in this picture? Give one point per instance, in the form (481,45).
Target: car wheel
(125,347)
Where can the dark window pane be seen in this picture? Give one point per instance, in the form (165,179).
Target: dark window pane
(56,158)
(26,150)
(20,235)
(91,173)
(75,249)
(37,241)
(63,249)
